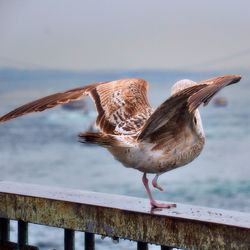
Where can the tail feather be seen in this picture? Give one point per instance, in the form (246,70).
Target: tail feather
(99,139)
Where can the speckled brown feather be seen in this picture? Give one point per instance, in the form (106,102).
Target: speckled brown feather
(122,106)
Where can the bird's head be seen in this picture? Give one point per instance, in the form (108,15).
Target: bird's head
(180,85)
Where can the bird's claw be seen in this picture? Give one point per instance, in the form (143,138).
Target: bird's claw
(155,204)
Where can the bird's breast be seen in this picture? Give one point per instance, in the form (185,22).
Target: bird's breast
(144,158)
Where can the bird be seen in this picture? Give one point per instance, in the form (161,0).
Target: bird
(150,141)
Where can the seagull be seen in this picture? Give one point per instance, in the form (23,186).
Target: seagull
(152,142)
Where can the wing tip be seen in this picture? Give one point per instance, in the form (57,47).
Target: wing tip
(237,78)
(5,118)
(232,78)
(228,79)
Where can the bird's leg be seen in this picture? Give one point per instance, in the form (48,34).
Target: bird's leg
(155,184)
(153,202)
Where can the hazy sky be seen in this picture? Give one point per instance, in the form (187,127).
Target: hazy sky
(128,34)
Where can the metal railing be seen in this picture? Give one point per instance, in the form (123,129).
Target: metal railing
(185,226)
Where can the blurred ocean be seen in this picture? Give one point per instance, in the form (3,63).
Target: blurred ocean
(42,148)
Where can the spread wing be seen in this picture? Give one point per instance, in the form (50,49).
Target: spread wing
(48,102)
(122,105)
(178,110)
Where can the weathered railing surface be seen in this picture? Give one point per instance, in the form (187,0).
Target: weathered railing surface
(116,216)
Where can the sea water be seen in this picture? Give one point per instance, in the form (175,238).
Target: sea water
(42,148)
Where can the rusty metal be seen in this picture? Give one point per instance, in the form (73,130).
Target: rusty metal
(142,245)
(7,245)
(166,248)
(89,241)
(22,238)
(185,226)
(4,229)
(69,239)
